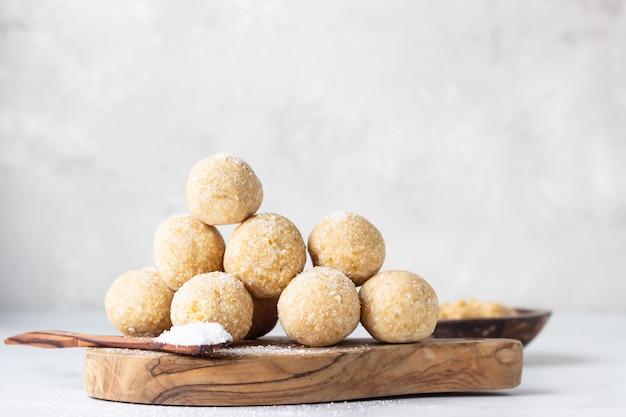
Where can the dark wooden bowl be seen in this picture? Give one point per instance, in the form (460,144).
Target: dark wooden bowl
(524,325)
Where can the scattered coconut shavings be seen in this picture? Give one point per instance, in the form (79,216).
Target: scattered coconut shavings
(279,349)
(261,350)
(129,351)
(196,333)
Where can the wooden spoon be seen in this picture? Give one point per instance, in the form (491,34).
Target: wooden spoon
(62,339)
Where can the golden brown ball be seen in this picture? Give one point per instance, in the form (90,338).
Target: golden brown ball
(138,303)
(319,307)
(266,251)
(223,189)
(398,307)
(349,243)
(184,247)
(214,297)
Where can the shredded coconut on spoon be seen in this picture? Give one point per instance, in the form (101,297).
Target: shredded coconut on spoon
(197,333)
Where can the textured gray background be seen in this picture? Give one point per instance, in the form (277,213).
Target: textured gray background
(485,139)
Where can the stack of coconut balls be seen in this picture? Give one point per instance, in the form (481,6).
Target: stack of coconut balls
(258,277)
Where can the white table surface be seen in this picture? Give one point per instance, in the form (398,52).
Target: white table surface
(576,366)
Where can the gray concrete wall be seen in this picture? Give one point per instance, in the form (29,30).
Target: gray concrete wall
(485,139)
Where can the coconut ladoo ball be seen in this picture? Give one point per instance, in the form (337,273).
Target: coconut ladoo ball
(349,243)
(319,307)
(214,297)
(265,252)
(138,303)
(398,307)
(223,189)
(184,247)
(264,317)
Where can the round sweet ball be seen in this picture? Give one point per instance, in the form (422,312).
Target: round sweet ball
(349,243)
(184,247)
(138,303)
(264,317)
(223,189)
(319,307)
(265,252)
(214,297)
(398,307)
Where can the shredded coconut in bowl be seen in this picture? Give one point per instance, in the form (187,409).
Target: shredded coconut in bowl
(196,333)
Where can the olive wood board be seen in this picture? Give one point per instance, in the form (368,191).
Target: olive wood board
(276,370)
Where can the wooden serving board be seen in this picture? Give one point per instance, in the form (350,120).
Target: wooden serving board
(278,371)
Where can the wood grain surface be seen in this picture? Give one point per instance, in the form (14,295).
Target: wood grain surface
(277,371)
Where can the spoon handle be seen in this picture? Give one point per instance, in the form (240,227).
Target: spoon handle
(62,339)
